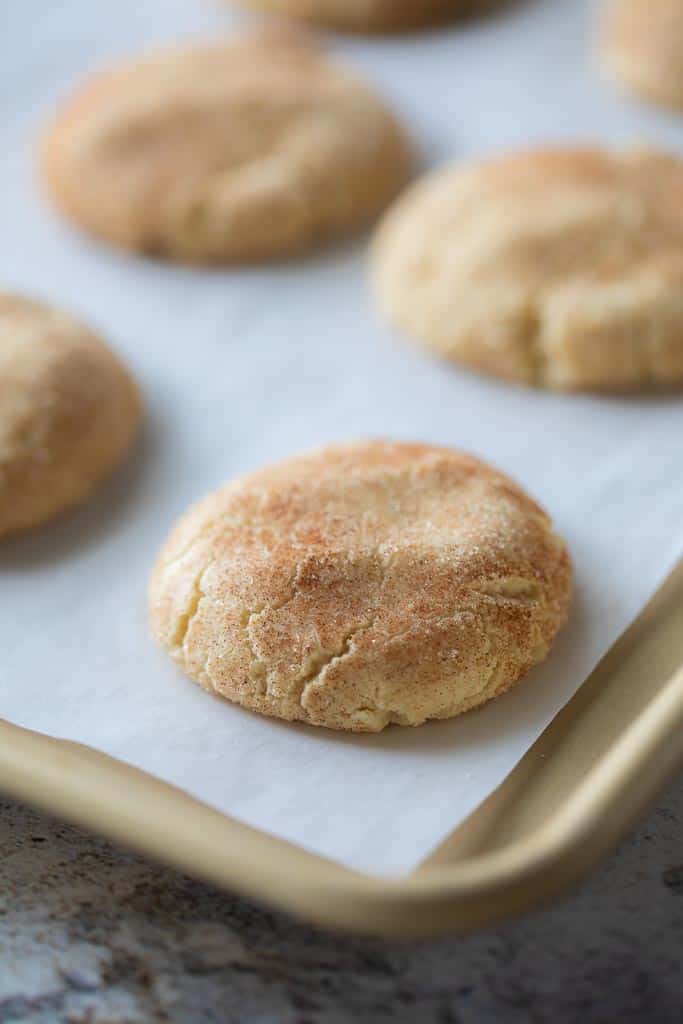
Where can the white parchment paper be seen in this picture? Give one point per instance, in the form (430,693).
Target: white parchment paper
(240,367)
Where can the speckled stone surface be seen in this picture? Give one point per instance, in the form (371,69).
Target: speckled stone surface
(90,934)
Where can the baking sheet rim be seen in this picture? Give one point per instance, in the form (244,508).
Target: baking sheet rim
(128,805)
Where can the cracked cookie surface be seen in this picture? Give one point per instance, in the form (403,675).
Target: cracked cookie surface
(250,150)
(69,412)
(557,268)
(362,585)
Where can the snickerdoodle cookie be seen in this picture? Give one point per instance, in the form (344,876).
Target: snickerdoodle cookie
(371,15)
(557,268)
(248,150)
(362,585)
(69,411)
(642,47)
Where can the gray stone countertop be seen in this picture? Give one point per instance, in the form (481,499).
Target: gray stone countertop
(91,934)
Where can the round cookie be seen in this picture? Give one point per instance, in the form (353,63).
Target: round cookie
(362,585)
(642,48)
(250,150)
(371,15)
(69,411)
(562,269)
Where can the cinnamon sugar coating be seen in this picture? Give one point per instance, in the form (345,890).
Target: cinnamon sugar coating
(361,585)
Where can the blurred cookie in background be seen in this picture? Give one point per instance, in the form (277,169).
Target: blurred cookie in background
(372,15)
(247,150)
(642,48)
(69,412)
(556,268)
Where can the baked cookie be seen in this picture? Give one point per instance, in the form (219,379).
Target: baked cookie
(371,15)
(250,150)
(69,411)
(362,585)
(562,269)
(642,47)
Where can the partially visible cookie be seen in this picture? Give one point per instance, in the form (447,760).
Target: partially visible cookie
(69,411)
(248,150)
(559,268)
(362,585)
(371,15)
(642,47)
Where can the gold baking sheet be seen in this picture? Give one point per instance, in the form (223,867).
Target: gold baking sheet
(567,803)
